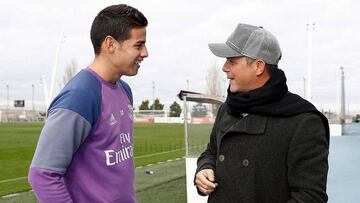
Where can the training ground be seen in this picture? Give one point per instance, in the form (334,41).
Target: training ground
(159,147)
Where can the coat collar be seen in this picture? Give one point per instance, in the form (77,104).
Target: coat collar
(249,124)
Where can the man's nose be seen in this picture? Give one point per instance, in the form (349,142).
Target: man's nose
(144,52)
(225,67)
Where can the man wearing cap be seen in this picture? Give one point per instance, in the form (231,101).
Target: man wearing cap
(267,145)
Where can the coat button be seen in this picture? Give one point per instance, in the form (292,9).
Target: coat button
(221,157)
(245,162)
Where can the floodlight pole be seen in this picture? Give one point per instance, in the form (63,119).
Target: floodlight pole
(186,127)
(7,106)
(7,97)
(341,95)
(310,28)
(187,85)
(61,41)
(46,95)
(304,83)
(153,87)
(33,95)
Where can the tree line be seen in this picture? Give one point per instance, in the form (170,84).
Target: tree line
(175,109)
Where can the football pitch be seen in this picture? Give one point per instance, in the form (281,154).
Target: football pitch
(159,147)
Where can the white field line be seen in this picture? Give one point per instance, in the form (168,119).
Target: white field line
(11,195)
(160,162)
(166,152)
(158,153)
(15,194)
(137,157)
(13,179)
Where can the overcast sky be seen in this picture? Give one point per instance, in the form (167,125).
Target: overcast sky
(177,38)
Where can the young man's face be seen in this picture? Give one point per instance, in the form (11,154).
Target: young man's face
(129,53)
(241,75)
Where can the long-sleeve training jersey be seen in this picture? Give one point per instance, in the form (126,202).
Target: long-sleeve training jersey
(85,150)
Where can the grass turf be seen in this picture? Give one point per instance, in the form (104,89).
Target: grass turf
(172,191)
(152,143)
(166,185)
(17,146)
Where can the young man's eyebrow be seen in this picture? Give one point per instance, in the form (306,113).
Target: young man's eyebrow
(141,42)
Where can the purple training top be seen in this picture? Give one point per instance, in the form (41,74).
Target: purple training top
(85,150)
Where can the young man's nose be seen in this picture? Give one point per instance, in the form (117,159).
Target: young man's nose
(144,52)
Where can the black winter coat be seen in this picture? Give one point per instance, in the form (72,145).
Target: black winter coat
(262,159)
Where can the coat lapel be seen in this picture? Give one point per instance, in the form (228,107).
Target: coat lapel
(251,124)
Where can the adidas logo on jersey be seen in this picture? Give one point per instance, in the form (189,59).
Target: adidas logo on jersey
(113,120)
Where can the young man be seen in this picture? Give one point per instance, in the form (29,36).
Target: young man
(85,150)
(267,144)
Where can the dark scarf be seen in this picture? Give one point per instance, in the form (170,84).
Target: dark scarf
(272,99)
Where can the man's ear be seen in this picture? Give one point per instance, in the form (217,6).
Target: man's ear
(260,66)
(108,45)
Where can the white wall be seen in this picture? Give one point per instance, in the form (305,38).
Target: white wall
(192,195)
(336,129)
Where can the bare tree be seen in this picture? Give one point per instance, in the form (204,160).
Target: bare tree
(214,81)
(214,85)
(70,71)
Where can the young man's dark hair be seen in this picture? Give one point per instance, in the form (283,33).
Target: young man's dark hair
(85,151)
(115,21)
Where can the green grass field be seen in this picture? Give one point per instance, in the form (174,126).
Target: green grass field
(152,140)
(152,143)
(17,146)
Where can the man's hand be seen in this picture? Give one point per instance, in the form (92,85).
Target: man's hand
(205,181)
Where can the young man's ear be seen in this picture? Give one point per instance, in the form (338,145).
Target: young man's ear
(108,44)
(260,66)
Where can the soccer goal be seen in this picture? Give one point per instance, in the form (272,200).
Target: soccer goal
(148,116)
(199,113)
